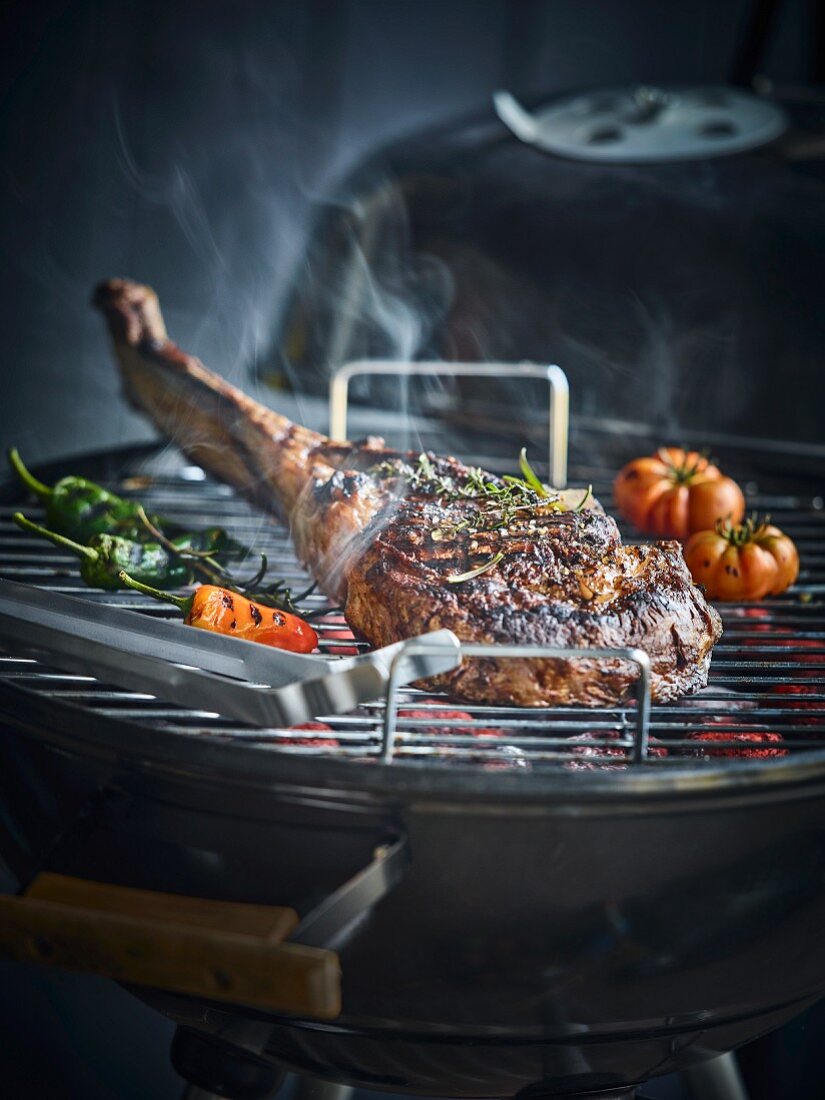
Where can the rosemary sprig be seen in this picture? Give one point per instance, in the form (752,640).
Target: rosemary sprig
(458,578)
(278,595)
(530,475)
(588,494)
(320,612)
(259,575)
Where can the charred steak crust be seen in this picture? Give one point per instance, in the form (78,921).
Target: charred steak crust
(563,579)
(411,543)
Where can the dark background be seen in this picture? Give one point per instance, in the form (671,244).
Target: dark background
(185,144)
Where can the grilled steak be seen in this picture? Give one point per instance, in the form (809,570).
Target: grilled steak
(412,543)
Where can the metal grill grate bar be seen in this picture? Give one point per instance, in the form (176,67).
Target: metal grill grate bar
(767,678)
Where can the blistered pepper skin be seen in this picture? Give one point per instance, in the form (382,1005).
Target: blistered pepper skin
(225,612)
(106,556)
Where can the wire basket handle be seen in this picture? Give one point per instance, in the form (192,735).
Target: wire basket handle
(417,646)
(558,396)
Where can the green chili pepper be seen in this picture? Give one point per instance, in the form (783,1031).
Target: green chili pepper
(212,540)
(78,508)
(107,555)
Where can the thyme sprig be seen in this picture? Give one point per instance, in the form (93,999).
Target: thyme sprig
(508,491)
(501,501)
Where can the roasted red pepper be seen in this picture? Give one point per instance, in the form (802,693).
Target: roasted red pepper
(225,612)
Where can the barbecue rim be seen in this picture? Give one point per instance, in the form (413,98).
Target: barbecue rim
(178,757)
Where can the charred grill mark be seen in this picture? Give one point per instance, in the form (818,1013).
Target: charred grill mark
(637,595)
(679,649)
(227,601)
(255,613)
(358,455)
(343,485)
(93,512)
(543,553)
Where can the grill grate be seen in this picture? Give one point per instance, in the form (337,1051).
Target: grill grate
(765,699)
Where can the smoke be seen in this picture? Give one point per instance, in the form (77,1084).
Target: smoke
(558,278)
(381,299)
(242,250)
(362,291)
(176,191)
(369,295)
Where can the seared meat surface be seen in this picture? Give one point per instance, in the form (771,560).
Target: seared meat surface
(412,543)
(543,576)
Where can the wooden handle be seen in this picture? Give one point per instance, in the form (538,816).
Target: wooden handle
(225,951)
(269,922)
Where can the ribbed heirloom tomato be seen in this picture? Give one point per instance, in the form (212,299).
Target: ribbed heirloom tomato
(742,561)
(676,492)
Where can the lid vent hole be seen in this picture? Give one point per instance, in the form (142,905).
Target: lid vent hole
(604,135)
(719,128)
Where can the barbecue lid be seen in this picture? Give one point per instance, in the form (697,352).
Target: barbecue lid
(646,124)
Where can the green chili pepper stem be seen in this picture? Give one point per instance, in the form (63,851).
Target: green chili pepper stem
(59,540)
(182,603)
(202,562)
(41,491)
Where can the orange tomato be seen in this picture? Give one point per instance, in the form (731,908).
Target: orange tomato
(676,492)
(742,561)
